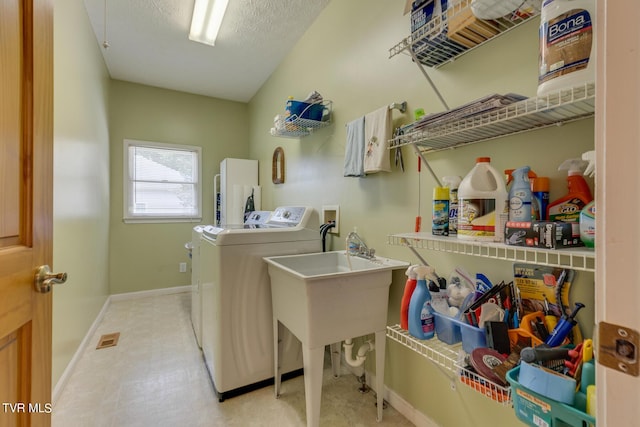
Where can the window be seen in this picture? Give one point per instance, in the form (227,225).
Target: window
(161,182)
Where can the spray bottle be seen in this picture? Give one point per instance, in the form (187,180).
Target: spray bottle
(409,288)
(440,216)
(420,317)
(568,207)
(520,195)
(453,182)
(588,213)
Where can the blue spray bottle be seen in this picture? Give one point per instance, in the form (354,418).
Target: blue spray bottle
(421,319)
(520,195)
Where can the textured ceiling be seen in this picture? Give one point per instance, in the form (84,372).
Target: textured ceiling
(149,44)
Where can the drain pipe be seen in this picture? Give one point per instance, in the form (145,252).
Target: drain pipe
(362,352)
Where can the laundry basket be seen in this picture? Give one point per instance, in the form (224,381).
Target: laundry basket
(303,110)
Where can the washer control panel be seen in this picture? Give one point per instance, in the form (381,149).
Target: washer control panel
(288,215)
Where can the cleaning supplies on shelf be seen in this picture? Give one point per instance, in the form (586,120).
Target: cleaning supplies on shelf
(588,213)
(520,195)
(453,182)
(567,44)
(568,207)
(540,193)
(409,288)
(420,317)
(482,201)
(440,217)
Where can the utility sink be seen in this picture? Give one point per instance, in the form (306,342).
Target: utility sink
(325,298)
(340,298)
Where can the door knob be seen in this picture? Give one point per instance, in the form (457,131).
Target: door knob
(44,279)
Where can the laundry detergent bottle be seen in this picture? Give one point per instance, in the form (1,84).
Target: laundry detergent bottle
(420,316)
(409,288)
(482,203)
(453,182)
(520,195)
(568,207)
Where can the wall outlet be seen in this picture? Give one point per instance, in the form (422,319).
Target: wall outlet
(331,213)
(183,267)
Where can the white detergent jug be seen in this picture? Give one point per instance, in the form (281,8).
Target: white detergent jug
(482,203)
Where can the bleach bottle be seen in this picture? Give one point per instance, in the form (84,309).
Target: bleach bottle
(520,196)
(482,203)
(568,207)
(409,288)
(420,316)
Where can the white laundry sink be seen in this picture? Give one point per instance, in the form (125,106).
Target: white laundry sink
(336,299)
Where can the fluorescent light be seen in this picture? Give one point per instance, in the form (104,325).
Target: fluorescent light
(206,20)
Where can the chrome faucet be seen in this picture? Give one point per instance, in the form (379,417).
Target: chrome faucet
(357,247)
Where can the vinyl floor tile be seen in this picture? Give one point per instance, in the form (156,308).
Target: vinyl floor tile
(156,376)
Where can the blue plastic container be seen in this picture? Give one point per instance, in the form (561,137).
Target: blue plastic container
(447,328)
(304,110)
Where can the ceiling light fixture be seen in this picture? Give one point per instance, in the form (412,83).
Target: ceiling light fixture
(206,20)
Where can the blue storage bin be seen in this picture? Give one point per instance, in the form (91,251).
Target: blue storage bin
(472,337)
(447,328)
(304,110)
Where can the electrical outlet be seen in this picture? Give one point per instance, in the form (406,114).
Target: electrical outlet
(183,267)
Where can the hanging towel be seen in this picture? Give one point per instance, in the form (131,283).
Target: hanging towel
(377,132)
(354,152)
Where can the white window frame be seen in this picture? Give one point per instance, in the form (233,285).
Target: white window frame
(128,215)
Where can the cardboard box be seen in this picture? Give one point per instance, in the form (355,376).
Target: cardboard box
(557,235)
(422,13)
(466,29)
(520,233)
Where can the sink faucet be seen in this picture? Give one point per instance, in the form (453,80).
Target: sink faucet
(357,247)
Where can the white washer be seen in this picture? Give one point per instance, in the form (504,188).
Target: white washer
(196,301)
(237,321)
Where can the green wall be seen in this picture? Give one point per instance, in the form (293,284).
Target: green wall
(80,180)
(146,256)
(344,55)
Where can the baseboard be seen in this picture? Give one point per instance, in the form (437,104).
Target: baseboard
(399,404)
(64,378)
(150,293)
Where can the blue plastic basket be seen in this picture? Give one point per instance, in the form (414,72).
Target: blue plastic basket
(304,110)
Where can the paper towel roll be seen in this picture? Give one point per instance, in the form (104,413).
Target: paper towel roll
(257,197)
(236,210)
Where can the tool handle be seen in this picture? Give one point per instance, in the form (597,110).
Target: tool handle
(539,354)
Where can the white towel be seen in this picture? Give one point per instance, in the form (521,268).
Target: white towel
(354,152)
(377,132)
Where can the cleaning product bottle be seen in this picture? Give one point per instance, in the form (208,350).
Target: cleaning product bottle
(440,217)
(540,192)
(482,201)
(567,44)
(520,195)
(453,182)
(420,317)
(568,207)
(588,213)
(409,288)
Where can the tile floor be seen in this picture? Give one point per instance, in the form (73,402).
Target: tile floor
(156,376)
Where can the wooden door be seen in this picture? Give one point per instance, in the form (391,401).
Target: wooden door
(26,139)
(618,202)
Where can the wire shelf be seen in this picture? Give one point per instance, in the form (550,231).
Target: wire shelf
(296,127)
(560,107)
(433,47)
(435,350)
(446,356)
(489,389)
(579,259)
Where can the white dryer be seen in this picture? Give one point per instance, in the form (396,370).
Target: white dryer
(237,323)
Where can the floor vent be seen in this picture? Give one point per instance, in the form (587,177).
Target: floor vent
(108,340)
